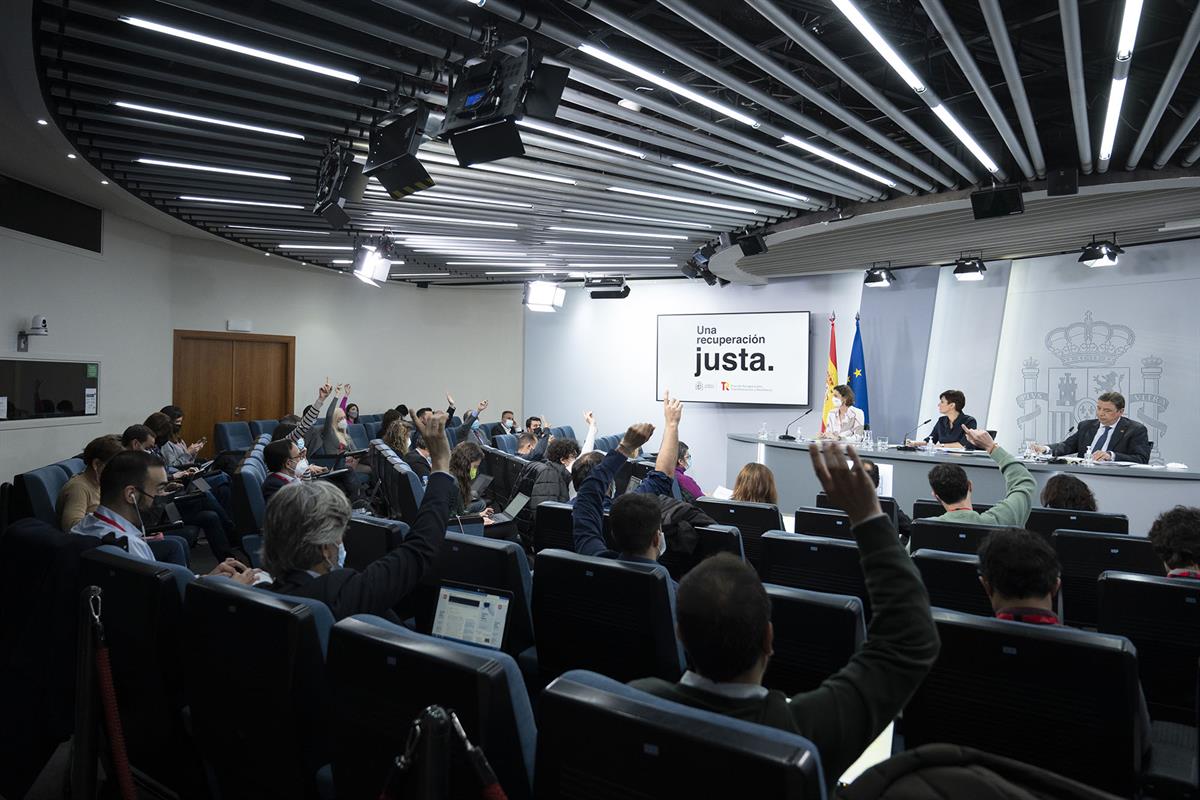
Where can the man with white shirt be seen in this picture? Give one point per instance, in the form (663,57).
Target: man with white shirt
(128,485)
(1111,436)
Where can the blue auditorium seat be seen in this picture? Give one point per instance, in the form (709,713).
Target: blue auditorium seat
(358,436)
(249,507)
(73,466)
(402,490)
(553,527)
(142,609)
(1085,555)
(260,426)
(363,419)
(613,617)
(751,519)
(507,442)
(41,487)
(476,561)
(270,647)
(566,432)
(710,540)
(601,739)
(383,675)
(816,634)
(607,443)
(232,437)
(369,538)
(372,429)
(952,580)
(816,563)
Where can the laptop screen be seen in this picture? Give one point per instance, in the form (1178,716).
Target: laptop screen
(472,614)
(516,504)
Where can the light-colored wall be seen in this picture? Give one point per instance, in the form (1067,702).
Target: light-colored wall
(600,355)
(394,344)
(112,307)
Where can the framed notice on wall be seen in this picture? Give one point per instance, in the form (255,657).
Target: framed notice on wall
(756,358)
(32,389)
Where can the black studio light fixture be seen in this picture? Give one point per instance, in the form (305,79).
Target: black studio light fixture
(1103,253)
(879,275)
(969,266)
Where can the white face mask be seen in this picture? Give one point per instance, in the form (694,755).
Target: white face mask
(342,424)
(301,467)
(300,444)
(837,402)
(662,543)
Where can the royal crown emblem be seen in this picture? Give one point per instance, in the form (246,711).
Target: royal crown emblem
(1089,343)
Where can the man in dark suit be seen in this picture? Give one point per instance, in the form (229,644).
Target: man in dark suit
(1111,436)
(281,458)
(305,523)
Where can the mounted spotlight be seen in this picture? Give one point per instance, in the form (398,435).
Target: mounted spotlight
(339,181)
(490,95)
(752,244)
(691,269)
(373,261)
(393,156)
(544,296)
(969,268)
(1101,254)
(879,276)
(607,288)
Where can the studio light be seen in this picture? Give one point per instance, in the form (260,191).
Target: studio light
(372,261)
(1103,253)
(544,296)
(969,268)
(879,276)
(393,153)
(340,180)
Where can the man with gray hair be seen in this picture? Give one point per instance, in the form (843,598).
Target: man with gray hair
(305,523)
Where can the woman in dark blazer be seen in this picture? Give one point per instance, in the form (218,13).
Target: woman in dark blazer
(948,430)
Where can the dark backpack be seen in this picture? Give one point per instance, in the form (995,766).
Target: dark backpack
(939,771)
(525,481)
(679,523)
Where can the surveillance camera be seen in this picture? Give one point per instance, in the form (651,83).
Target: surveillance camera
(38,326)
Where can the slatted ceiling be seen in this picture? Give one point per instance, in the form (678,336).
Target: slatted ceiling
(90,59)
(1049,225)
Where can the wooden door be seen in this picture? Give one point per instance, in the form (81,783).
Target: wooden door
(231,377)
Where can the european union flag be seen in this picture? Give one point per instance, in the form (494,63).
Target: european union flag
(856,376)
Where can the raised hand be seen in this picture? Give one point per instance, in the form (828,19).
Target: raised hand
(347,388)
(589,418)
(449,401)
(672,409)
(979,438)
(850,488)
(324,391)
(483,404)
(338,390)
(433,436)
(635,437)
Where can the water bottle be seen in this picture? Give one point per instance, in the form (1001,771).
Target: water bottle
(762,432)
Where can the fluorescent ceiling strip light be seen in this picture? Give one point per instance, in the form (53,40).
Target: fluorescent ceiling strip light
(228,123)
(495,264)
(680,223)
(315,246)
(829,155)
(1112,118)
(607,232)
(687,200)
(565,133)
(470,253)
(532,272)
(253,52)
(669,85)
(205,168)
(762,187)
(959,131)
(622,266)
(442,197)
(482,223)
(226,200)
(430,238)
(881,46)
(343,261)
(1129,27)
(274,230)
(450,161)
(635,257)
(609,244)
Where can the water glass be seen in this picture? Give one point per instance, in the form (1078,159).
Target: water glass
(881,444)
(867,444)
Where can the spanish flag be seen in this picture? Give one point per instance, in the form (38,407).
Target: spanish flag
(831,375)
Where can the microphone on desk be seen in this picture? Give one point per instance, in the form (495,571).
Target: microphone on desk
(904,445)
(787,437)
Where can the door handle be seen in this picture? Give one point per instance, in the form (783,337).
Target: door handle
(237,410)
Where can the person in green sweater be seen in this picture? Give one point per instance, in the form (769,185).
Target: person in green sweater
(723,617)
(953,490)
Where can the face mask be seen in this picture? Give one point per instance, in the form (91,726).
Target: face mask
(837,402)
(475,424)
(342,424)
(341,558)
(300,443)
(474,472)
(662,543)
(508,423)
(301,467)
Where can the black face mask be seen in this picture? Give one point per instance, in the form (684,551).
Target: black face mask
(177,426)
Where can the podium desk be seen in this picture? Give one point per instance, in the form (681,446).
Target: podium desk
(1138,493)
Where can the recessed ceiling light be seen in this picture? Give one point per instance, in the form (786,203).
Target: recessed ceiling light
(104,183)
(71,155)
(253,52)
(228,123)
(42,122)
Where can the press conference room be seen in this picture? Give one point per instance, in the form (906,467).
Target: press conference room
(599,399)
